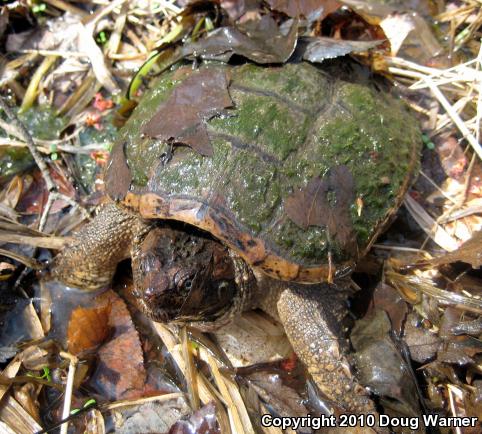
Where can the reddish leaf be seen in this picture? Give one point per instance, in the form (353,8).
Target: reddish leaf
(102,104)
(35,196)
(201,96)
(120,372)
(325,202)
(88,328)
(289,364)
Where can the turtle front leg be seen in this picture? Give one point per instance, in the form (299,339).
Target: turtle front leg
(90,260)
(313,332)
(309,316)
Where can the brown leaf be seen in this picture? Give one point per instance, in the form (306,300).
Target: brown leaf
(120,372)
(34,194)
(237,8)
(260,41)
(380,365)
(469,252)
(325,202)
(12,192)
(422,343)
(307,8)
(282,398)
(387,298)
(317,49)
(201,96)
(118,176)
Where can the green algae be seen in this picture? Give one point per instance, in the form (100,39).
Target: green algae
(282,133)
(298,83)
(263,121)
(42,123)
(103,138)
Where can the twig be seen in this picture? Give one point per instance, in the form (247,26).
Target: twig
(132,402)
(25,260)
(68,388)
(51,186)
(30,144)
(67,7)
(455,116)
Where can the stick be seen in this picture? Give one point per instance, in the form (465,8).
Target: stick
(51,186)
(68,388)
(455,116)
(30,144)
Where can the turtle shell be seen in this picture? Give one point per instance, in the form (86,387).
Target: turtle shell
(304,171)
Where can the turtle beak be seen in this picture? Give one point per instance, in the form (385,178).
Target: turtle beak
(155,292)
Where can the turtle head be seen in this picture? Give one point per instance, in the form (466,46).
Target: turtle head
(181,276)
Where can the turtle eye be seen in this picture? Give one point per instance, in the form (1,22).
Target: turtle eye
(184,282)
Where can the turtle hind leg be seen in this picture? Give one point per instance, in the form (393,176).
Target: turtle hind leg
(307,316)
(90,260)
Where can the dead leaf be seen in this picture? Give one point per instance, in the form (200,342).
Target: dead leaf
(387,298)
(88,328)
(321,48)
(451,317)
(201,96)
(237,8)
(284,400)
(3,21)
(410,36)
(19,324)
(118,176)
(260,41)
(438,234)
(325,202)
(120,372)
(460,350)
(11,194)
(470,252)
(422,343)
(6,270)
(27,395)
(34,196)
(381,366)
(149,417)
(452,156)
(306,8)
(203,421)
(253,338)
(87,44)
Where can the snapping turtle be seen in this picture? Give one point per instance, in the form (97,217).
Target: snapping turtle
(281,179)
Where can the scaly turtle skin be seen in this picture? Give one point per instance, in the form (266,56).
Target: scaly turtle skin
(306,167)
